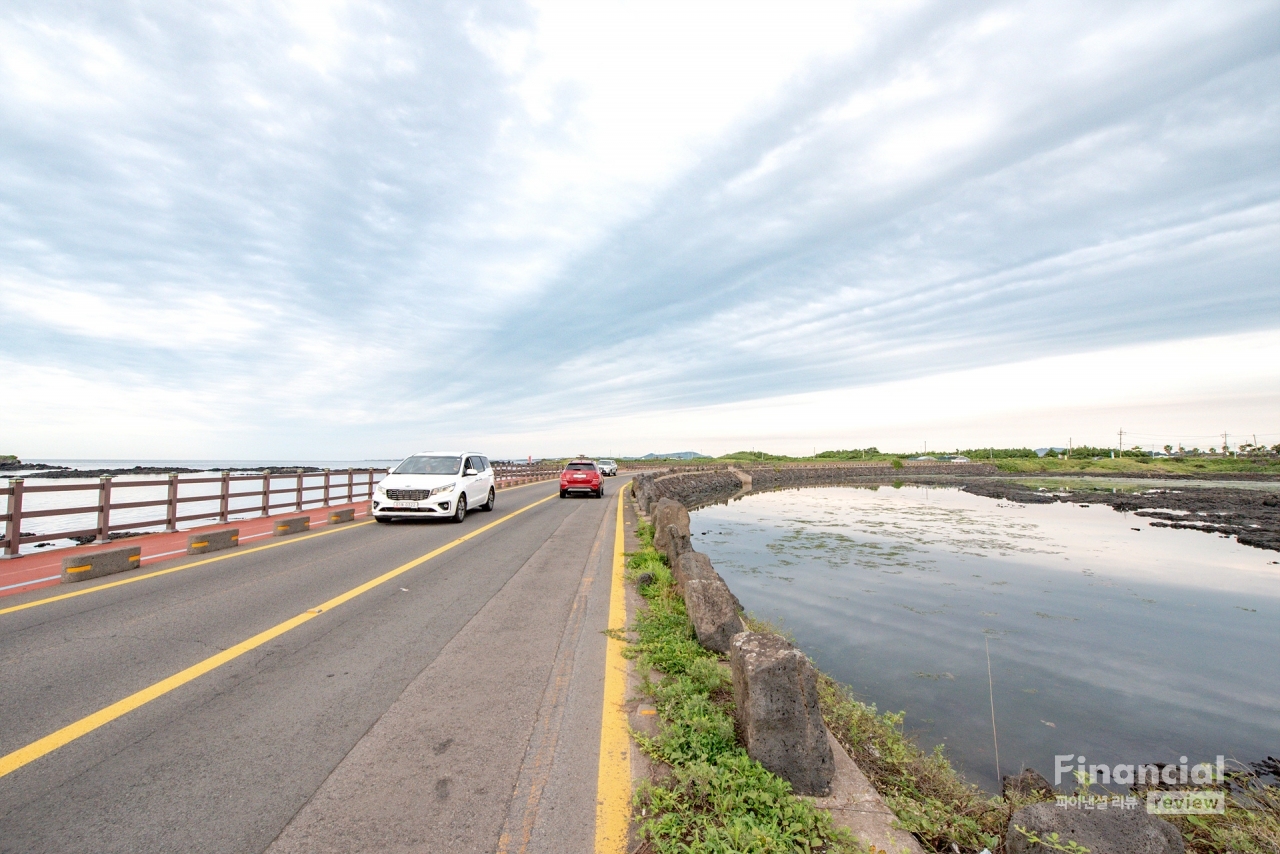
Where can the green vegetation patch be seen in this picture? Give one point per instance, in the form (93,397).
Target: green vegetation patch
(715,799)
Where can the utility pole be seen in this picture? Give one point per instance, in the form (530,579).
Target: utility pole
(1068,447)
(1121,444)
(1225,449)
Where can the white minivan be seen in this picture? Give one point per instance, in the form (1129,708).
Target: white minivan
(435,484)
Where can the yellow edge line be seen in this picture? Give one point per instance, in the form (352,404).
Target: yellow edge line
(69,733)
(613,779)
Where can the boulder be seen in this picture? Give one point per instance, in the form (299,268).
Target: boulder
(668,512)
(775,693)
(713,611)
(1028,784)
(690,565)
(677,543)
(1109,831)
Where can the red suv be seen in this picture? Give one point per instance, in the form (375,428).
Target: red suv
(581,476)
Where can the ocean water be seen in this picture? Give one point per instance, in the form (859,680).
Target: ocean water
(1108,638)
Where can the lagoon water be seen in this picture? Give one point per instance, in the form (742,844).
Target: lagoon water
(1108,638)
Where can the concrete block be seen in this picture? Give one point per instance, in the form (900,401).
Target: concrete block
(775,692)
(668,512)
(294,525)
(339,516)
(714,612)
(855,805)
(212,541)
(1109,831)
(97,564)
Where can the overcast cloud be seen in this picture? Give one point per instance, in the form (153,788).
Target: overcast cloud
(351,230)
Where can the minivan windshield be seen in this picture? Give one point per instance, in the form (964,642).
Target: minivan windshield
(429,465)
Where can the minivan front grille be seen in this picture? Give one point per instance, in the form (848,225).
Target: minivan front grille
(408,494)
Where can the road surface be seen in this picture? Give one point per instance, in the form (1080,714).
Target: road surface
(333,692)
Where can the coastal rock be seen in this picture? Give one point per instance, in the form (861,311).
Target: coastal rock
(668,512)
(775,694)
(1028,784)
(714,612)
(1111,831)
(689,566)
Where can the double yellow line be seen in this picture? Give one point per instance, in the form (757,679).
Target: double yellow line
(68,734)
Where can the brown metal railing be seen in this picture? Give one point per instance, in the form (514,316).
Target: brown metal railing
(515,474)
(340,487)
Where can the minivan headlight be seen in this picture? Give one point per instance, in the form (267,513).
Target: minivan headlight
(448,487)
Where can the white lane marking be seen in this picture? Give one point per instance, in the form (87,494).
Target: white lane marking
(25,583)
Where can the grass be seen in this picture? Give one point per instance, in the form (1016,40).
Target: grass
(715,799)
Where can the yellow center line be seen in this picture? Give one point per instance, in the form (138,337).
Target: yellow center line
(613,778)
(69,733)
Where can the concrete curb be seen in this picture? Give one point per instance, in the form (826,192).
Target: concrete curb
(293,525)
(98,564)
(212,541)
(337,517)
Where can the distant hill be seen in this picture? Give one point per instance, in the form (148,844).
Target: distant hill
(682,455)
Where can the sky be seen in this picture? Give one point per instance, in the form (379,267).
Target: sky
(357,230)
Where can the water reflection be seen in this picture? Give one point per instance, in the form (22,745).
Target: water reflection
(1109,638)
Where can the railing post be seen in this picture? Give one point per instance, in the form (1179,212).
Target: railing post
(104,509)
(13,527)
(351,485)
(266,493)
(299,507)
(171,514)
(224,499)
(369,494)
(326,487)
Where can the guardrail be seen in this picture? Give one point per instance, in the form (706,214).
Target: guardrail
(514,474)
(341,487)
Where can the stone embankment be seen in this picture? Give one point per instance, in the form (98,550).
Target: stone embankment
(777,714)
(710,486)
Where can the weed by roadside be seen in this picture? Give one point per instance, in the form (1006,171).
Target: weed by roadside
(715,800)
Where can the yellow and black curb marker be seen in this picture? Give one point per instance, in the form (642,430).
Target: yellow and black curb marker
(86,725)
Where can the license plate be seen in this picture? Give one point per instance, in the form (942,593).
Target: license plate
(407,505)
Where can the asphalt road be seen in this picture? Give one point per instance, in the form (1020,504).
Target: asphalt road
(455,707)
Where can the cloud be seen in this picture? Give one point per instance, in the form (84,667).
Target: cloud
(358,227)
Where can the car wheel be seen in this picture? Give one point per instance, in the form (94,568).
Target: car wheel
(599,493)
(461,512)
(564,494)
(383,519)
(488,505)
